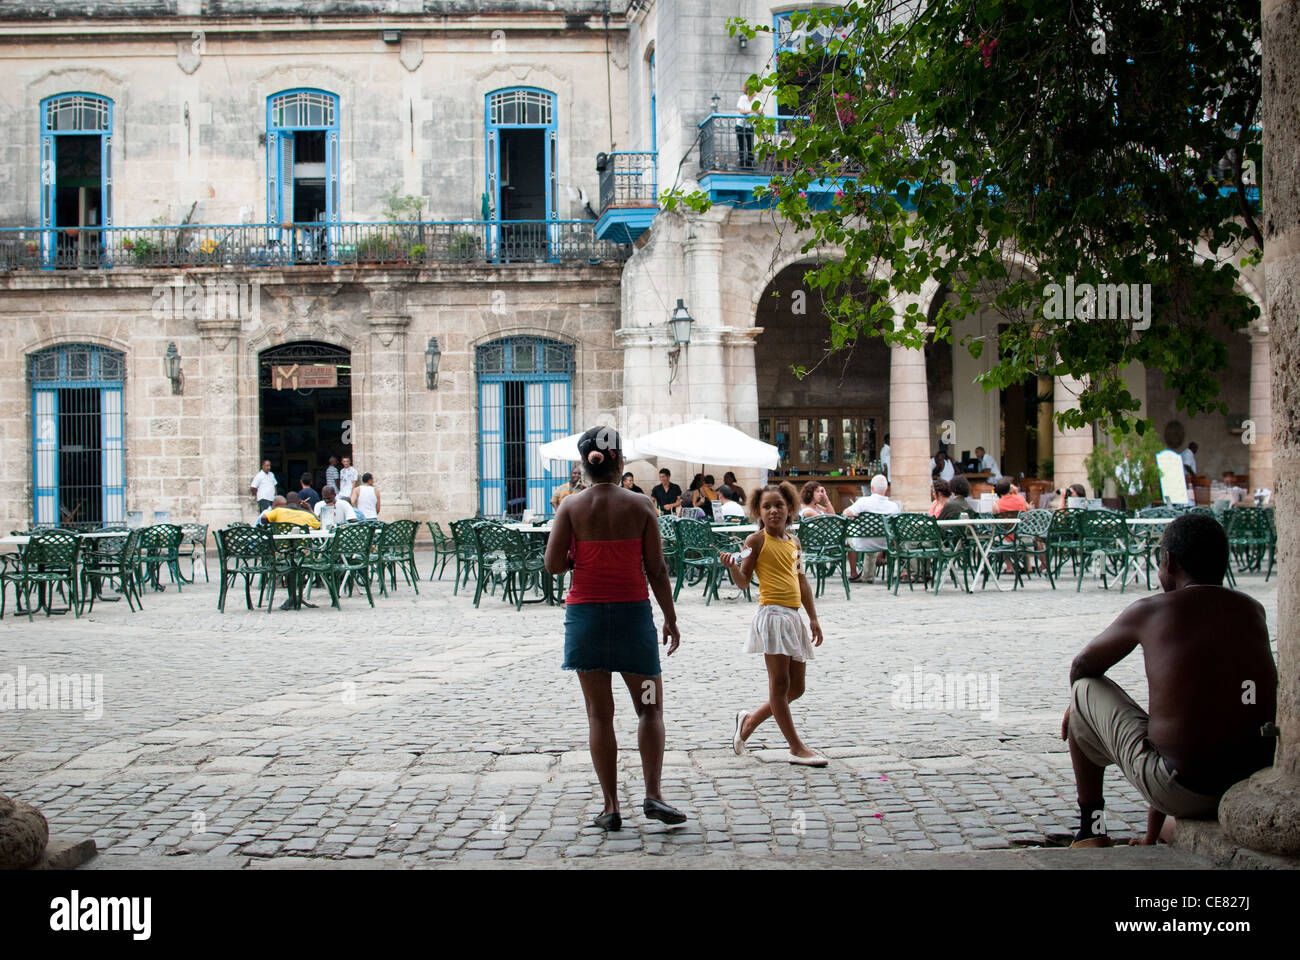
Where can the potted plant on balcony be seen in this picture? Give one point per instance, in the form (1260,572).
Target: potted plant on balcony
(417,253)
(465,245)
(142,249)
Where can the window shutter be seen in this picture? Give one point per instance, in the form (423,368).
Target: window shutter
(286,178)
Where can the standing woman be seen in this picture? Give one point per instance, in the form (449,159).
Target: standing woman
(609,536)
(365,497)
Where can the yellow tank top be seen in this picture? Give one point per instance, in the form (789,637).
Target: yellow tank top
(778,569)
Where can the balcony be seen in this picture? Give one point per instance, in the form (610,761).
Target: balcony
(629,194)
(282,245)
(730,165)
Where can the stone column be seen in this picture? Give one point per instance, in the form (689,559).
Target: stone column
(1261,410)
(225,483)
(909,428)
(702,361)
(1045,389)
(385,417)
(1069,447)
(1264,811)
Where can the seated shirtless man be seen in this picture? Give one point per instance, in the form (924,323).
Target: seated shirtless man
(1211,684)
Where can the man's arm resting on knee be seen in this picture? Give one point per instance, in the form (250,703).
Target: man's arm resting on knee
(1110,646)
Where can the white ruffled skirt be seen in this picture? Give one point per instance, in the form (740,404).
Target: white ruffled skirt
(778,629)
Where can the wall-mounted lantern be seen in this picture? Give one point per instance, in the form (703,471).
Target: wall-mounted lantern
(432,357)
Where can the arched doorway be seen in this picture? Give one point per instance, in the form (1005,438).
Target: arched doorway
(525,387)
(305,409)
(835,417)
(79,458)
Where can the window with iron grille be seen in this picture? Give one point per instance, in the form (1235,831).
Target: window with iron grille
(525,389)
(78,436)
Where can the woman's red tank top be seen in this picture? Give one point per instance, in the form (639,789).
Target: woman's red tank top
(607,571)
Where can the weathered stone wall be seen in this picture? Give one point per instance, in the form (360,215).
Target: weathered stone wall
(411,115)
(194,454)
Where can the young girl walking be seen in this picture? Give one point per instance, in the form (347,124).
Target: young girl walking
(778,632)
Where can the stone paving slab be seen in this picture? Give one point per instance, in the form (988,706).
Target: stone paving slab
(428,732)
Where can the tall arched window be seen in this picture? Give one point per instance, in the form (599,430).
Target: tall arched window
(78,454)
(523,184)
(524,390)
(76,174)
(302,165)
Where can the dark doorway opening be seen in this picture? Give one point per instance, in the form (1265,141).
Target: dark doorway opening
(301,427)
(78,187)
(523,194)
(81,462)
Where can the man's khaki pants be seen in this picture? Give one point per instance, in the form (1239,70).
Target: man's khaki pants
(1110,728)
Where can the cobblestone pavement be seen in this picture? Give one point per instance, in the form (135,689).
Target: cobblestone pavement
(427,730)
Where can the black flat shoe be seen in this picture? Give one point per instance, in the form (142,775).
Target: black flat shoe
(609,821)
(658,810)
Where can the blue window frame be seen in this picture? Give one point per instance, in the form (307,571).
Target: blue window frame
(299,123)
(654,123)
(525,400)
(78,437)
(80,115)
(507,114)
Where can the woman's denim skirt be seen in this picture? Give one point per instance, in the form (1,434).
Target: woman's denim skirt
(617,637)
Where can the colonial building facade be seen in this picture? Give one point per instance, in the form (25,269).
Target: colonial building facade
(424,235)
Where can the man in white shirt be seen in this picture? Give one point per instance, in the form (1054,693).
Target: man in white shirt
(333,509)
(745,122)
(941,463)
(876,503)
(727,505)
(986,462)
(348,477)
(884,456)
(263,487)
(1189,456)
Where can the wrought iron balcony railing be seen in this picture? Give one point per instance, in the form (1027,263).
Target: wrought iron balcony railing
(628,178)
(730,144)
(277,245)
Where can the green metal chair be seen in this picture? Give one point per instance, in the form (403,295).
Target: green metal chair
(247,552)
(113,559)
(504,559)
(668,534)
(1062,542)
(866,526)
(1105,539)
(1250,538)
(344,556)
(160,546)
(444,548)
(821,539)
(698,553)
(916,539)
(48,562)
(397,551)
(194,545)
(462,534)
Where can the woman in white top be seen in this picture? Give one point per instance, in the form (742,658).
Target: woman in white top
(816,502)
(365,498)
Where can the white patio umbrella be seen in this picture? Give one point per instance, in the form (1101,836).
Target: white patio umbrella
(566,448)
(708,441)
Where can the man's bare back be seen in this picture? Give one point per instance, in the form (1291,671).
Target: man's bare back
(1211,679)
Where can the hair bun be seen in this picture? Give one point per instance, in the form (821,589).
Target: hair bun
(595,457)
